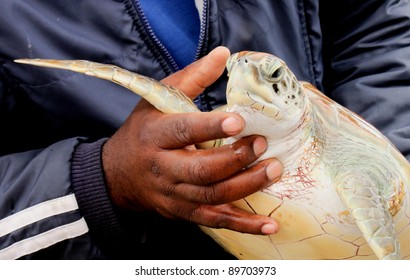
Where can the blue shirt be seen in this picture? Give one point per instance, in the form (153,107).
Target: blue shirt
(176,24)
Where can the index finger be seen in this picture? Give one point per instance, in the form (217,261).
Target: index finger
(181,130)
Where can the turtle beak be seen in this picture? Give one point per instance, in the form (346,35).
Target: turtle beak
(231,62)
(233,59)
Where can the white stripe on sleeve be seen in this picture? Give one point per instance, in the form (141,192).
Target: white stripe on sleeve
(38,212)
(44,240)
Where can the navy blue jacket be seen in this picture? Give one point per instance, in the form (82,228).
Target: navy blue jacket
(53,123)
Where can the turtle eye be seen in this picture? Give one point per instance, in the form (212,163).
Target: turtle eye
(272,68)
(277,73)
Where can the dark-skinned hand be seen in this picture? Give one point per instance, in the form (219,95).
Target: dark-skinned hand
(151,164)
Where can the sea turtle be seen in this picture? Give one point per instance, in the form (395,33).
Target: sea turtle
(344,193)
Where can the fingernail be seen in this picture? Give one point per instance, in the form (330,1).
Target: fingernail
(259,146)
(269,229)
(231,125)
(274,170)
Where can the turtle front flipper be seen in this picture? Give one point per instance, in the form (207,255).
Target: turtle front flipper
(370,208)
(165,98)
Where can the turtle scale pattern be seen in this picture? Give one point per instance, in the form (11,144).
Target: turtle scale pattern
(344,193)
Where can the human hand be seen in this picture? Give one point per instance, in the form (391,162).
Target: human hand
(151,163)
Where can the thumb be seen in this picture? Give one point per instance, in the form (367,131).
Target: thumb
(193,79)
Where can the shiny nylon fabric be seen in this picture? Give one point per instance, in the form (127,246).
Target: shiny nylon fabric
(362,62)
(84,35)
(367,63)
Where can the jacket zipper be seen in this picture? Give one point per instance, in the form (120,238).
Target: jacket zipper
(200,100)
(203,29)
(151,34)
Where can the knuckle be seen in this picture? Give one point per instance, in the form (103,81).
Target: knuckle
(201,172)
(242,152)
(161,180)
(211,196)
(168,208)
(147,131)
(168,190)
(155,164)
(221,220)
(197,215)
(225,217)
(183,131)
(240,155)
(155,167)
(179,211)
(215,194)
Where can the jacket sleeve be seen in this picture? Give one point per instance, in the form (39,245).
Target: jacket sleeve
(89,186)
(366,55)
(53,199)
(54,196)
(37,207)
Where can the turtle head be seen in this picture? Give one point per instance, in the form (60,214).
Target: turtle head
(262,84)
